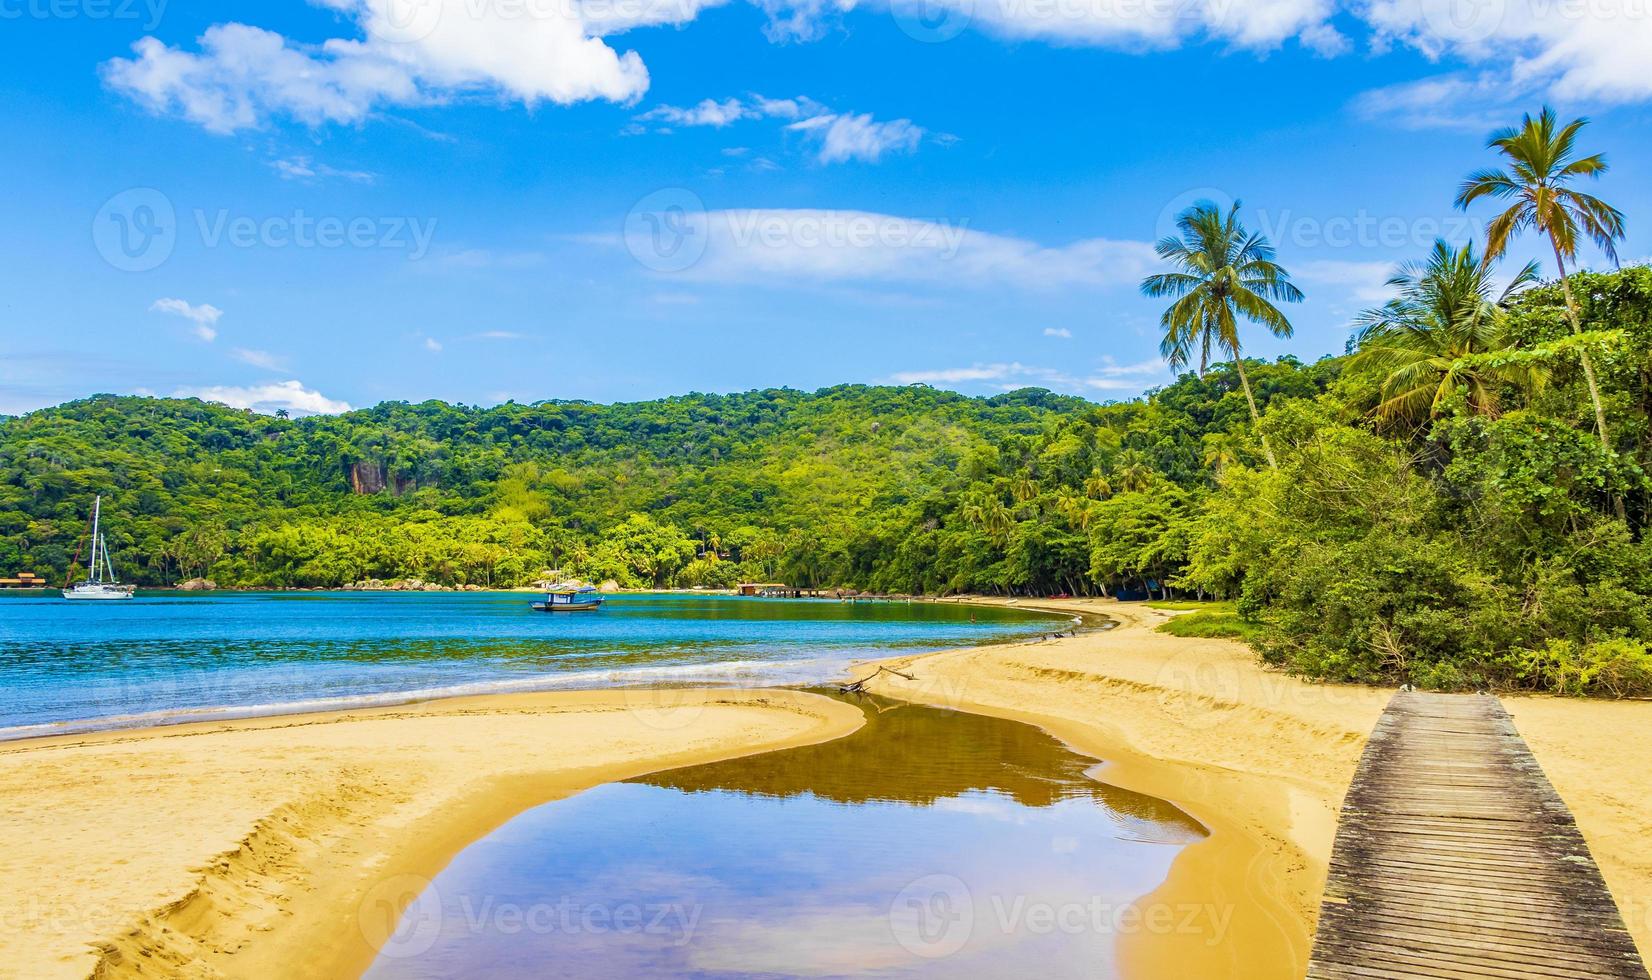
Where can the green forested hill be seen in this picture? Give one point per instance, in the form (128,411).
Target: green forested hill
(1443,509)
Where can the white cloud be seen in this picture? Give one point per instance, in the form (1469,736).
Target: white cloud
(1363,281)
(241,76)
(847,246)
(1061,332)
(432,344)
(204,317)
(267,398)
(258,358)
(859,137)
(304,169)
(500,335)
(1527,50)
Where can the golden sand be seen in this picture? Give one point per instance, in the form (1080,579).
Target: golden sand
(284,846)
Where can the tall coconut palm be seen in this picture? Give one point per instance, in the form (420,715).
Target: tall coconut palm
(1223,273)
(1426,340)
(1541,161)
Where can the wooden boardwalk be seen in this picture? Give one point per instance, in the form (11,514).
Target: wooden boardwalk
(1455,858)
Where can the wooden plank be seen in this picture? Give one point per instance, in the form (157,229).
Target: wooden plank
(1455,858)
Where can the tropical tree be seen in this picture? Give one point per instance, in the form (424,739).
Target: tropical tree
(1222,273)
(1541,161)
(1430,340)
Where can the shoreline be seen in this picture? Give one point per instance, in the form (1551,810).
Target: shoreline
(287,846)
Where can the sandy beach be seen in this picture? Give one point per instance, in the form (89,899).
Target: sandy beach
(284,846)
(1263,760)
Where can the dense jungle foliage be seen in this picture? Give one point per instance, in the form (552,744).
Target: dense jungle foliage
(1444,516)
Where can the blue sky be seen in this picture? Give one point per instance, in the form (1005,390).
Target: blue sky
(329,204)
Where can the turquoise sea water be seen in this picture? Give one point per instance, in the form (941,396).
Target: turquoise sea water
(163,656)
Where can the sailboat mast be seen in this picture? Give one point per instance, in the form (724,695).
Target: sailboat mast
(92,563)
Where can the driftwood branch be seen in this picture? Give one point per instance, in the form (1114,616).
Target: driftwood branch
(859,687)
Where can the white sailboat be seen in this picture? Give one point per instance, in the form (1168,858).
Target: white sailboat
(97,586)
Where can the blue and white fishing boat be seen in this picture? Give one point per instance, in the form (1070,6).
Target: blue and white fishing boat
(570,598)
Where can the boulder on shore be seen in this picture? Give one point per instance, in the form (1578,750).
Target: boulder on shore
(608,586)
(198,585)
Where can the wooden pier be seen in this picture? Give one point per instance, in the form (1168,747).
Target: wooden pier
(1455,858)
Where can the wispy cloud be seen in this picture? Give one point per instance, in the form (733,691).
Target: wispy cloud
(204,317)
(259,358)
(302,168)
(770,246)
(859,137)
(1061,332)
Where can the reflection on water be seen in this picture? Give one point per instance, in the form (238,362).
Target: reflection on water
(173,652)
(929,843)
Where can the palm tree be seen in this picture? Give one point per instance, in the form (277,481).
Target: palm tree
(1134,474)
(1096,485)
(1541,165)
(1428,338)
(1221,450)
(1222,273)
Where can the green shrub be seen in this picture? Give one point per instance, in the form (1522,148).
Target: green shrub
(1614,668)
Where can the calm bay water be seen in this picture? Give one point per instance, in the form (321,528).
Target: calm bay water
(174,656)
(931,843)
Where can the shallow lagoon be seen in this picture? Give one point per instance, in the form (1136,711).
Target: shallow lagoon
(929,843)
